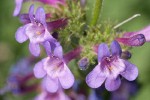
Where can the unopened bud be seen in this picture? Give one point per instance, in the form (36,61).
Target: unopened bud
(136,40)
(83,63)
(126,55)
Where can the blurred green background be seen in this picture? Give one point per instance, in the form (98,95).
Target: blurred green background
(113,10)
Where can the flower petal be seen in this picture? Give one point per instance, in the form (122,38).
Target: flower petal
(49,37)
(31,13)
(47,47)
(38,70)
(95,78)
(117,66)
(58,51)
(24,18)
(53,3)
(34,49)
(60,23)
(115,48)
(128,34)
(112,84)
(103,51)
(131,71)
(40,15)
(136,40)
(31,32)
(18,7)
(20,35)
(51,84)
(145,31)
(66,78)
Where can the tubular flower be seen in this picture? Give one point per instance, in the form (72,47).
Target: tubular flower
(45,95)
(144,31)
(18,80)
(126,90)
(18,7)
(59,95)
(110,67)
(55,71)
(137,38)
(52,25)
(36,31)
(53,3)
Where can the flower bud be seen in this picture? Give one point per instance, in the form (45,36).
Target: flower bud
(83,63)
(126,55)
(136,40)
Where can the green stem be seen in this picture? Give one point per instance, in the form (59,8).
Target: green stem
(96,12)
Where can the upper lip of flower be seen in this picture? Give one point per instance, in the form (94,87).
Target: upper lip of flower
(109,59)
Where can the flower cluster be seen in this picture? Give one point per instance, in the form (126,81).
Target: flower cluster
(19,79)
(81,43)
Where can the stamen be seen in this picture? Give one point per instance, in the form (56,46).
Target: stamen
(110,68)
(38,32)
(127,20)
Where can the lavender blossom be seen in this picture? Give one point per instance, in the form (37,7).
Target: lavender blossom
(144,31)
(18,7)
(45,95)
(53,3)
(36,31)
(126,90)
(55,71)
(110,67)
(52,25)
(83,63)
(20,75)
(19,3)
(137,38)
(126,55)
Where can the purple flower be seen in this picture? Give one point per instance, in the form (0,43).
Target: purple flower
(126,90)
(110,67)
(18,7)
(59,95)
(18,80)
(36,31)
(83,63)
(45,95)
(144,31)
(126,55)
(54,3)
(135,40)
(53,25)
(55,71)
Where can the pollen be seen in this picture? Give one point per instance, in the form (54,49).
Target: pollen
(38,32)
(110,68)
